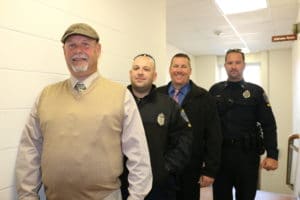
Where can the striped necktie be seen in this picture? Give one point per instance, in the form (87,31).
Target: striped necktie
(175,95)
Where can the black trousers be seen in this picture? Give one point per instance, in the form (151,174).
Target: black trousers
(239,170)
(165,191)
(188,186)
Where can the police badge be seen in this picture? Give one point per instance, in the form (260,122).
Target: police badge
(161,119)
(183,115)
(246,94)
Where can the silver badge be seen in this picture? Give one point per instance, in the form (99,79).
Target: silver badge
(246,94)
(183,115)
(161,119)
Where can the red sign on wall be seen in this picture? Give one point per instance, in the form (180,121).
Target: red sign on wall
(281,38)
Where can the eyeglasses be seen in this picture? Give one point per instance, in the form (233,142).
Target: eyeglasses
(146,55)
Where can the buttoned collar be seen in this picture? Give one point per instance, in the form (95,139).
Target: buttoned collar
(87,82)
(241,83)
(182,91)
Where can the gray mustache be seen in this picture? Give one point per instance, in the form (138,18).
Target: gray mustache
(80,56)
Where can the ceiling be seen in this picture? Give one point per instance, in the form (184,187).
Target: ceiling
(199,27)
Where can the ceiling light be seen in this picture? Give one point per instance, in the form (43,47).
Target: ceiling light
(239,6)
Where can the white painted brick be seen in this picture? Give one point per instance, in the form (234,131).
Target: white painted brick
(24,87)
(11,126)
(7,167)
(29,53)
(32,57)
(8,194)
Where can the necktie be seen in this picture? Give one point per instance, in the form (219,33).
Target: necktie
(176,94)
(80,87)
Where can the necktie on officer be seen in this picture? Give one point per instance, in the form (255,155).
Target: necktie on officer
(175,95)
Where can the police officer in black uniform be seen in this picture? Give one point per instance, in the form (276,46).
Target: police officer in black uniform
(248,128)
(168,131)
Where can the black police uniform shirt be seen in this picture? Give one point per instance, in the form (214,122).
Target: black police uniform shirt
(168,133)
(242,105)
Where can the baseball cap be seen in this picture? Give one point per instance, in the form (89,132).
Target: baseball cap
(80,29)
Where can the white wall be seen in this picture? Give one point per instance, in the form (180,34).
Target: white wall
(296,100)
(32,57)
(280,95)
(206,68)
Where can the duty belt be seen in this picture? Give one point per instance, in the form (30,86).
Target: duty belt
(233,142)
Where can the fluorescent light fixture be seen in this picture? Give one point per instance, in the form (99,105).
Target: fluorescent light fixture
(245,50)
(239,6)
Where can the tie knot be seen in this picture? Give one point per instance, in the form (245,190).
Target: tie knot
(80,86)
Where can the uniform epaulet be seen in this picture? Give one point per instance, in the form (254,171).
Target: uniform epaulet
(222,85)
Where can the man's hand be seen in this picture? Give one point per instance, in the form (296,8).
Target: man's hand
(269,164)
(205,181)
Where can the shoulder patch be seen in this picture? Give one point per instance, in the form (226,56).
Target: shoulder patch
(266,99)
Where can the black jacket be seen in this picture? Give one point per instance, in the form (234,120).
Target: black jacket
(201,110)
(168,134)
(243,105)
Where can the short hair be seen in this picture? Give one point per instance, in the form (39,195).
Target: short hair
(235,51)
(145,55)
(181,55)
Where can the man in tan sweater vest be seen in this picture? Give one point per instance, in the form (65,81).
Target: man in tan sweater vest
(78,131)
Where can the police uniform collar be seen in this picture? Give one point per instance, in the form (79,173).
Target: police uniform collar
(152,91)
(150,95)
(241,83)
